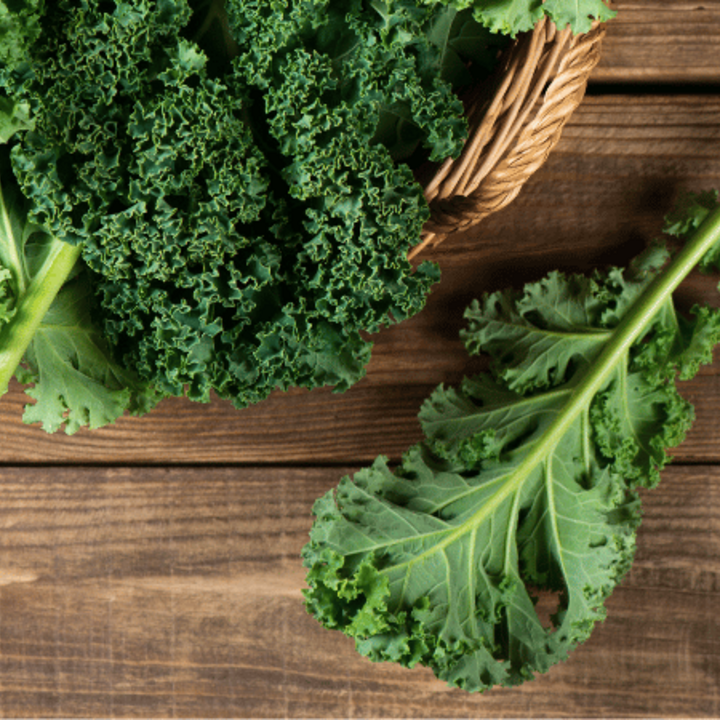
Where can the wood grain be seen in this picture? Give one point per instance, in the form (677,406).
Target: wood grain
(668,41)
(177,592)
(599,199)
(151,569)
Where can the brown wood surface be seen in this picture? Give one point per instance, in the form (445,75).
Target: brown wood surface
(668,41)
(177,592)
(151,569)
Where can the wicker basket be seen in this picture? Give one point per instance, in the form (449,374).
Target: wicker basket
(542,80)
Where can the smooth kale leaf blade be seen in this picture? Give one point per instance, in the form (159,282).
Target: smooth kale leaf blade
(440,551)
(577,14)
(526,484)
(509,16)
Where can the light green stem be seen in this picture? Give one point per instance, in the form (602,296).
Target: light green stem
(628,331)
(636,322)
(17,334)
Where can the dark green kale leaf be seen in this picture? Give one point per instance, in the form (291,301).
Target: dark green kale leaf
(448,47)
(242,227)
(389,57)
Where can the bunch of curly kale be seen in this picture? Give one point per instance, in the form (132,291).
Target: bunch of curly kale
(206,196)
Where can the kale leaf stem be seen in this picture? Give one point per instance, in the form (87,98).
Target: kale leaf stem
(30,310)
(628,331)
(658,292)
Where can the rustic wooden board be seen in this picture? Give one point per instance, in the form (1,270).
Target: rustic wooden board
(668,41)
(177,592)
(598,200)
(152,569)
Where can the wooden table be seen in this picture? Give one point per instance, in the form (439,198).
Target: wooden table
(151,568)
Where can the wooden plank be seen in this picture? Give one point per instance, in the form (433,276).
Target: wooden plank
(668,41)
(177,592)
(598,200)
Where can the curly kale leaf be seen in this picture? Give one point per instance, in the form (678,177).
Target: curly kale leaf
(511,17)
(242,229)
(451,47)
(19,27)
(394,63)
(526,484)
(538,337)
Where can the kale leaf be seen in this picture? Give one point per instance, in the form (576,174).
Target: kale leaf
(233,182)
(526,484)
(511,17)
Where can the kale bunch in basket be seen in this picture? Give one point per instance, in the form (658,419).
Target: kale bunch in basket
(208,197)
(216,196)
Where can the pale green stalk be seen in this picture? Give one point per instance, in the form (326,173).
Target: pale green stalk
(30,310)
(628,331)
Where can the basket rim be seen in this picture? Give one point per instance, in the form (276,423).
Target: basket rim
(513,127)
